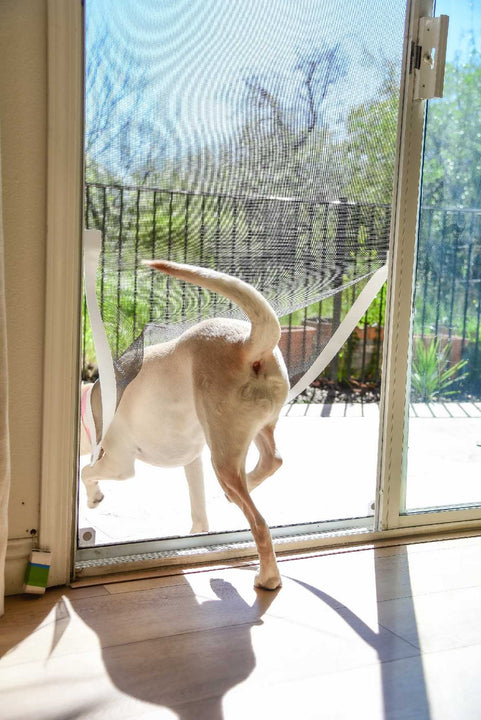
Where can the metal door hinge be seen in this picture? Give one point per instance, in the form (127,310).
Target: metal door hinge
(428,57)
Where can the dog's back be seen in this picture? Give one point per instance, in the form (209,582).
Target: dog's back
(235,364)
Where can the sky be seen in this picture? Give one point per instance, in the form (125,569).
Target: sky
(195,56)
(464,19)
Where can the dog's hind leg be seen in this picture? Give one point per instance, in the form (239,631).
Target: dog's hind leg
(269,458)
(195,479)
(233,482)
(229,465)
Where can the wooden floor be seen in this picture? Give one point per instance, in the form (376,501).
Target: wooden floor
(387,633)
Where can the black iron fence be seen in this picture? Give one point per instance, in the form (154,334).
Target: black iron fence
(199,228)
(448,288)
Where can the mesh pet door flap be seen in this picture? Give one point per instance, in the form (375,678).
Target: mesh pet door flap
(256,138)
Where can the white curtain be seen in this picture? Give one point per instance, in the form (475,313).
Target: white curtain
(4,434)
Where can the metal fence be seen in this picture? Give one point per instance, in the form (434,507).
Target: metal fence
(222,230)
(447,305)
(191,227)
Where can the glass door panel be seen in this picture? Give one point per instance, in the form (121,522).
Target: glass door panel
(257,138)
(444,447)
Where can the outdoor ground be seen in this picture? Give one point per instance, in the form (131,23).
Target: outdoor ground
(329,472)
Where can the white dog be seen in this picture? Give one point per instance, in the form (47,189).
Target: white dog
(222,382)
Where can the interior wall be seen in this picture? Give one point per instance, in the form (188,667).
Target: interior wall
(23,133)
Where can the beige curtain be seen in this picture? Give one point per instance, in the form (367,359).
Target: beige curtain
(4,434)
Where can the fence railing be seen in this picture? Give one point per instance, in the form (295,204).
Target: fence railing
(196,227)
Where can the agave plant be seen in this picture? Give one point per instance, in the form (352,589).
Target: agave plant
(432,374)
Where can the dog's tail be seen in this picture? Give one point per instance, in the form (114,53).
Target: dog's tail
(265,328)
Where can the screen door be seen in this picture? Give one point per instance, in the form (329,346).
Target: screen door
(443,439)
(257,138)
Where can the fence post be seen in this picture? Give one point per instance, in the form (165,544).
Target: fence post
(341,237)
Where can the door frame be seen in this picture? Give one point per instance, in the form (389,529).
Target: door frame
(60,441)
(392,458)
(57,528)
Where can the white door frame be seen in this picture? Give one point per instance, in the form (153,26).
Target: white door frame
(65,184)
(407,175)
(63,284)
(395,401)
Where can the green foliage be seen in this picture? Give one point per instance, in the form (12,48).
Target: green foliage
(452,162)
(344,370)
(432,374)
(370,147)
(324,309)
(306,159)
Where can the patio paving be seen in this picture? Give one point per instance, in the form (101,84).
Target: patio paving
(329,472)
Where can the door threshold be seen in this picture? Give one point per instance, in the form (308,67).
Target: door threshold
(151,565)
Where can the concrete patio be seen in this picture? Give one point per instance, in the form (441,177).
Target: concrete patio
(329,472)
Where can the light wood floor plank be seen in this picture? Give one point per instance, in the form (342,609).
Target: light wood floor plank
(378,634)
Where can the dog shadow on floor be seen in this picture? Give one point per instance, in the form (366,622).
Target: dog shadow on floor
(167,646)
(197,651)
(179,646)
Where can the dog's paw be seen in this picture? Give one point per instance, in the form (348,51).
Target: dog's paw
(95,500)
(270,582)
(199,527)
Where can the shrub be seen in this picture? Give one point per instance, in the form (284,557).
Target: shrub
(432,375)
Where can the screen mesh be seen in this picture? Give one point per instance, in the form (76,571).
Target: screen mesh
(253,136)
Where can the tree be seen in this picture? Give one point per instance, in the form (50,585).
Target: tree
(452,157)
(370,147)
(123,142)
(285,145)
